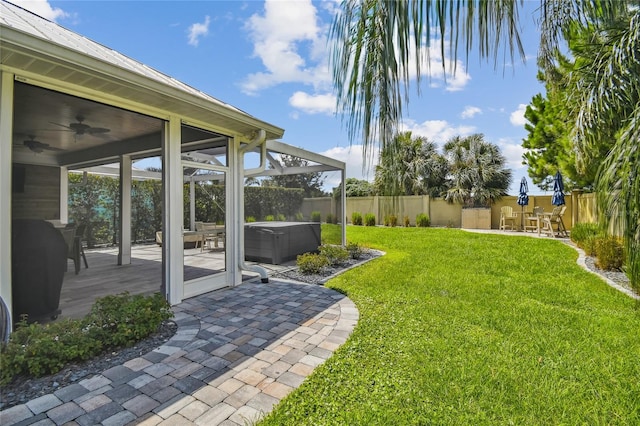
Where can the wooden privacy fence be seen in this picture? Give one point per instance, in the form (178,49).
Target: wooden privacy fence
(580,208)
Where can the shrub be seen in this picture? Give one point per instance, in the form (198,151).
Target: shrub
(299,217)
(311,263)
(393,220)
(331,218)
(407,222)
(369,219)
(115,321)
(260,201)
(609,253)
(589,245)
(250,219)
(36,350)
(422,220)
(336,255)
(355,250)
(269,218)
(356,218)
(316,216)
(385,220)
(123,319)
(281,217)
(582,231)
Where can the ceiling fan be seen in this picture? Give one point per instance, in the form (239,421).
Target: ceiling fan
(80,128)
(37,146)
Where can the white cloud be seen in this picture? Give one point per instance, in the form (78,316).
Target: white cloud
(355,163)
(517,116)
(438,131)
(313,104)
(470,111)
(291,44)
(42,8)
(198,30)
(512,152)
(438,70)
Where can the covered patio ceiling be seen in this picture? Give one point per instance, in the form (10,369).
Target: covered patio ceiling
(87,104)
(93,122)
(53,128)
(57,129)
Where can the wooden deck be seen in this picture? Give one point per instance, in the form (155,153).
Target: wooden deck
(143,276)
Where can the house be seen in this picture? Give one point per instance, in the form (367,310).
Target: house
(68,103)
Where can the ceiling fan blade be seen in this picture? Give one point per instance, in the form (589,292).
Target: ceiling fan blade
(38,147)
(79,128)
(67,128)
(97,130)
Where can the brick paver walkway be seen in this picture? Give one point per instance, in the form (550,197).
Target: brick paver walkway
(237,353)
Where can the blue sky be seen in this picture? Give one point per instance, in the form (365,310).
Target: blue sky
(269,58)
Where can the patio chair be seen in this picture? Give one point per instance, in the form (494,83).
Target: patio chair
(532,221)
(73,236)
(552,225)
(69,235)
(507,217)
(212,233)
(79,238)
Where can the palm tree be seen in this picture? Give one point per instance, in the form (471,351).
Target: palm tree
(478,173)
(409,166)
(379,44)
(378,41)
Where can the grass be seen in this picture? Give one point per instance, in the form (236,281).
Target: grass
(331,234)
(462,328)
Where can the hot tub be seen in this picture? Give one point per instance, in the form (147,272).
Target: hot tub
(280,242)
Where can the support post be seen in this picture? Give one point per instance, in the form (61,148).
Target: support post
(64,194)
(172,213)
(343,206)
(124,243)
(192,204)
(6,136)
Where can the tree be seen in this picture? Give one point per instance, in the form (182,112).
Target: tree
(310,183)
(372,72)
(546,144)
(549,144)
(355,188)
(409,166)
(606,98)
(372,57)
(478,173)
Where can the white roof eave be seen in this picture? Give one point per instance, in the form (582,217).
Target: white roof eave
(179,93)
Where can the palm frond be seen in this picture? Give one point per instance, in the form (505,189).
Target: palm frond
(372,58)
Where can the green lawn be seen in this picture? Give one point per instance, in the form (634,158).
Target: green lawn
(466,329)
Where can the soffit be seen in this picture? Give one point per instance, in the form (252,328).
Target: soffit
(35,46)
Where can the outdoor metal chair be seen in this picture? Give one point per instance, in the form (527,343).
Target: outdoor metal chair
(69,235)
(79,238)
(73,236)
